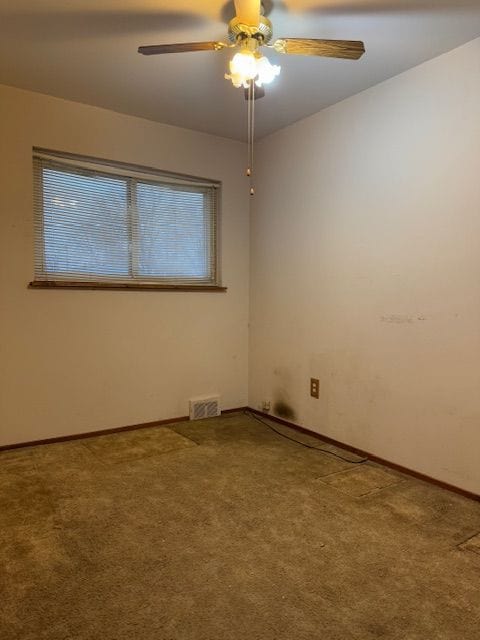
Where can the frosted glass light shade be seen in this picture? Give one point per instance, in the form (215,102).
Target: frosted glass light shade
(266,71)
(243,67)
(246,66)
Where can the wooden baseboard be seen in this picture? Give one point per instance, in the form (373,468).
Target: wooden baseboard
(104,432)
(291,425)
(371,456)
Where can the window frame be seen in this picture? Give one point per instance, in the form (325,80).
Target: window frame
(133,174)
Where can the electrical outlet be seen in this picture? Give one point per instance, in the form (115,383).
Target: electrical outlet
(266,406)
(315,388)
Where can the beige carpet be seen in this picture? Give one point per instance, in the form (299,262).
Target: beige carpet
(220,530)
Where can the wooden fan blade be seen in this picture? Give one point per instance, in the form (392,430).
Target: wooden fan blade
(248,12)
(155,49)
(348,49)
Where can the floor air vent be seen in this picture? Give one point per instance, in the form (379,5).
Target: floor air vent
(204,408)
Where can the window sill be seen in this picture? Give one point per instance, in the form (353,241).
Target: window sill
(122,286)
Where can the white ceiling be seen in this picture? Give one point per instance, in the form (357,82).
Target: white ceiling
(86,50)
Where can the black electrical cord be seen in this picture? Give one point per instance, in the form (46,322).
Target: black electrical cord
(304,444)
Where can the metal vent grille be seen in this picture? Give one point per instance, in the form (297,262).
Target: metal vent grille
(204,408)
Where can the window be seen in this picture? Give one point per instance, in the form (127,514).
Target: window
(107,224)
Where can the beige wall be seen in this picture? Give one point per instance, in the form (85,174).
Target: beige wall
(365,246)
(365,271)
(73,361)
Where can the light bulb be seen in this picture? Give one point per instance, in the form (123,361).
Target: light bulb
(243,68)
(266,71)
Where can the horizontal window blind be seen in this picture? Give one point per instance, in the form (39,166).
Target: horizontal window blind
(106,224)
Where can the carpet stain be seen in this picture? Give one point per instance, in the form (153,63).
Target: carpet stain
(361,481)
(132,445)
(473,544)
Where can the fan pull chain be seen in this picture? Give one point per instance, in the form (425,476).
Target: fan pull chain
(252,137)
(250,133)
(249,169)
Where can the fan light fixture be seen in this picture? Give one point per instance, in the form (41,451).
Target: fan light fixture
(246,66)
(249,31)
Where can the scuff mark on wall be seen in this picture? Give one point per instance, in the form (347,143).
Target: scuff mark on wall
(282,404)
(400,319)
(284,410)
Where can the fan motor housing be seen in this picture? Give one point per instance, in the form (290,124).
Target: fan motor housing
(238,30)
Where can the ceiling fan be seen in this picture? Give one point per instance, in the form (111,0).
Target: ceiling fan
(248,32)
